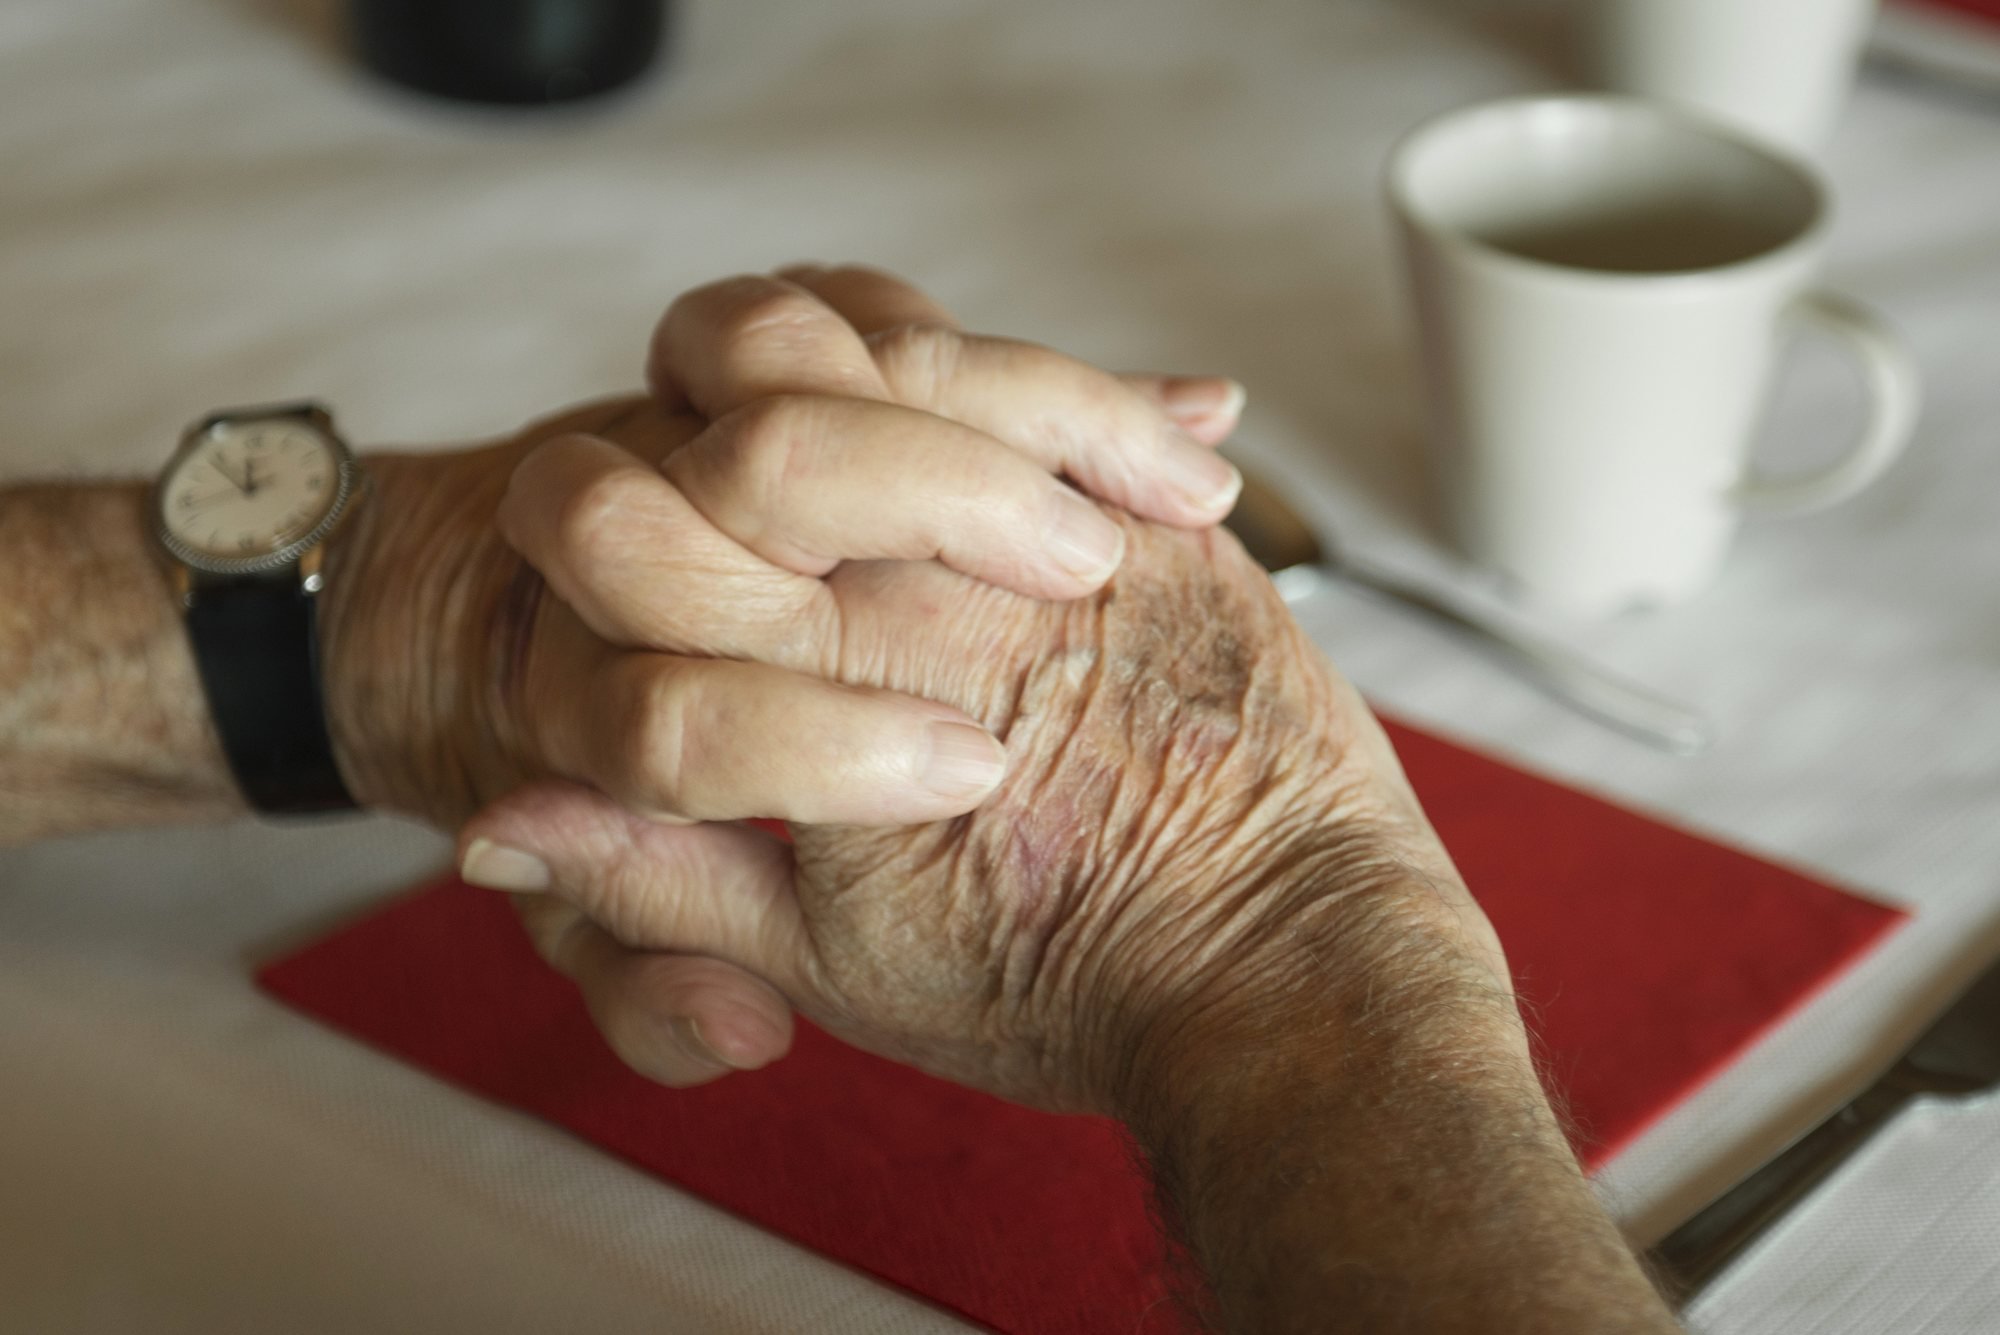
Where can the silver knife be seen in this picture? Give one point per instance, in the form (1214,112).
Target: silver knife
(1299,557)
(1957,1057)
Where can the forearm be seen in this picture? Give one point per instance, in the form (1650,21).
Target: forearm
(1370,1150)
(102,721)
(102,718)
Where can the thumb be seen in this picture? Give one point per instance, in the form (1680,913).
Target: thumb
(723,891)
(681,1020)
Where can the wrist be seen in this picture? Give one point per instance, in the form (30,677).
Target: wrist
(1360,1128)
(413,583)
(1362,952)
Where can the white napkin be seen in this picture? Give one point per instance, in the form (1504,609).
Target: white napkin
(1904,1240)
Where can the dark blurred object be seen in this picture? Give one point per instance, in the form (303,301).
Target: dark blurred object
(512,51)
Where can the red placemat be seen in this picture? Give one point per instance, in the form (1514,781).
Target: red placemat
(1647,957)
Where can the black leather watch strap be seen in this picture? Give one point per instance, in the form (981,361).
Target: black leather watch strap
(256,642)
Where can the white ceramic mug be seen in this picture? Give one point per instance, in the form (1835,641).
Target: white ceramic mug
(1600,284)
(1780,68)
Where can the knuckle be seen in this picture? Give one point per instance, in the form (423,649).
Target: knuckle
(918,341)
(629,895)
(535,479)
(917,360)
(773,444)
(634,899)
(591,516)
(1084,390)
(740,310)
(655,745)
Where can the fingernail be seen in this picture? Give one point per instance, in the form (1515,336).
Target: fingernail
(1200,398)
(1084,542)
(1203,478)
(688,1035)
(964,761)
(499,868)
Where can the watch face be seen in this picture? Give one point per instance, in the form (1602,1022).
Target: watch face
(243,493)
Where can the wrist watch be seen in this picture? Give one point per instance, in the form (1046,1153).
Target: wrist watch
(243,508)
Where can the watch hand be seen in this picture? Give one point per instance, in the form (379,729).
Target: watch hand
(215,462)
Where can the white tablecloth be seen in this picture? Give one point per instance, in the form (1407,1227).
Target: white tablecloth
(201,203)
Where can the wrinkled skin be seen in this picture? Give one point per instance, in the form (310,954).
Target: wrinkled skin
(1189,788)
(1180,761)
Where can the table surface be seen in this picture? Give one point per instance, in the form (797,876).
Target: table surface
(202,203)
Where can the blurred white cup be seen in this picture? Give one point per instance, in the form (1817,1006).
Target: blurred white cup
(1780,68)
(1600,284)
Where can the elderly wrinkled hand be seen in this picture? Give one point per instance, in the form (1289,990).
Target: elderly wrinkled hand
(800,426)
(1197,814)
(796,423)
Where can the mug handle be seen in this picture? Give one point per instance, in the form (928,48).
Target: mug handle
(1894,393)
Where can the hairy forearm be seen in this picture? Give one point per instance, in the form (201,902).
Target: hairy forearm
(1366,1147)
(102,718)
(102,721)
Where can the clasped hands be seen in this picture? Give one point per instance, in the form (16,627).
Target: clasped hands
(1070,794)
